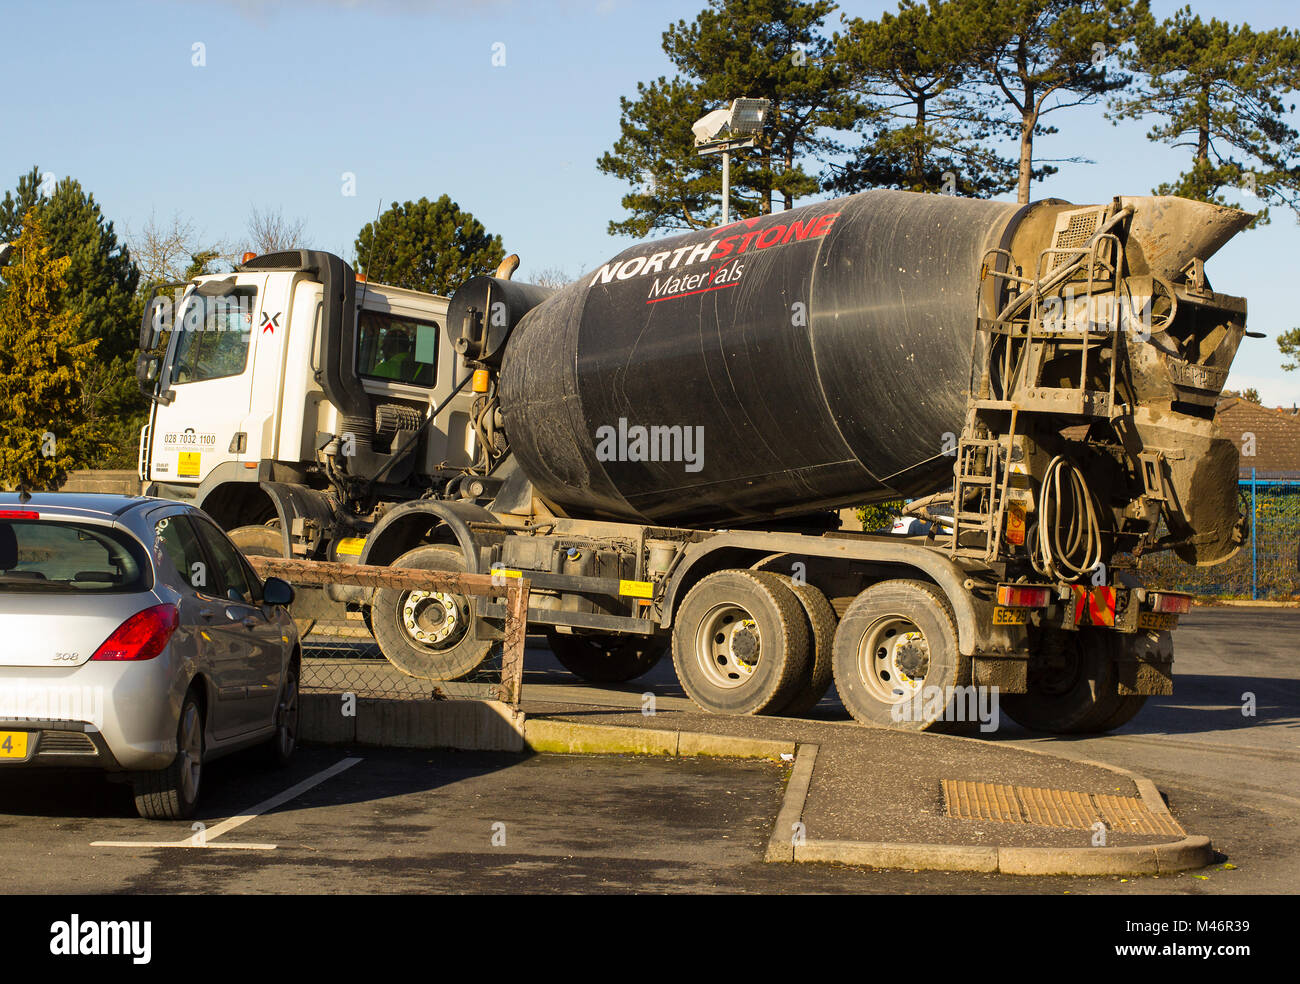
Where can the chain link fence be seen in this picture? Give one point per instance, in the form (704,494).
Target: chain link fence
(1267,567)
(427,625)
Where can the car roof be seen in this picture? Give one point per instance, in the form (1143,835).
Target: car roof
(79,503)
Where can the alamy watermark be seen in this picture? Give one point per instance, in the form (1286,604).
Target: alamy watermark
(971,704)
(656,443)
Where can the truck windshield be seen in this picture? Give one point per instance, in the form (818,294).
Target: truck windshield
(397,349)
(213,335)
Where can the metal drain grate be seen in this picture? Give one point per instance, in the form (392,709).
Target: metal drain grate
(1052,808)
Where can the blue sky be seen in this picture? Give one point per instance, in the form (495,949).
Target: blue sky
(403,95)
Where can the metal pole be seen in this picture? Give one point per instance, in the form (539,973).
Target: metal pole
(726,186)
(1254,556)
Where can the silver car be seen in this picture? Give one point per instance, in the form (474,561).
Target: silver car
(134,638)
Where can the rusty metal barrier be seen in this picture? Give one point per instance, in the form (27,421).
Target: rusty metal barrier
(340,653)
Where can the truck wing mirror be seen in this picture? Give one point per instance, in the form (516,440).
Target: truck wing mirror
(157,314)
(147,367)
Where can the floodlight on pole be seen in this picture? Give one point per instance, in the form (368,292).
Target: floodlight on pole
(725,130)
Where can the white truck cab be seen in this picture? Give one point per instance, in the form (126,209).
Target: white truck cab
(239,368)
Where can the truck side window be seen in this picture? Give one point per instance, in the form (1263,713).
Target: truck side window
(397,349)
(214,336)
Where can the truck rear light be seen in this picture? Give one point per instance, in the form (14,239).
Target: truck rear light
(18,514)
(1023,596)
(142,636)
(1173,604)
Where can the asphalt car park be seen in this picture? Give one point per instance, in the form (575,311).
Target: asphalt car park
(369,820)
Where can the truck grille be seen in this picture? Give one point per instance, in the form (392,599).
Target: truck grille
(65,743)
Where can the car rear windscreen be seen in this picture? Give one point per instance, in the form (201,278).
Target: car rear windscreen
(70,557)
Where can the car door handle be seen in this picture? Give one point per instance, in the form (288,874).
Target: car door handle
(206,613)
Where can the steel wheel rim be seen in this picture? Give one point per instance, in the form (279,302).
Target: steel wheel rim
(435,620)
(893,659)
(728,646)
(191,752)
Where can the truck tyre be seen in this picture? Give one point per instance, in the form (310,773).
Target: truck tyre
(818,673)
(173,792)
(429,634)
(606,658)
(1075,692)
(740,643)
(257,541)
(264,541)
(1125,711)
(896,656)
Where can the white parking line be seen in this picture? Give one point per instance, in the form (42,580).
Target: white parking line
(203,837)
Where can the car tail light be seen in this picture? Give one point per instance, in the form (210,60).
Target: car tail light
(18,514)
(142,636)
(1173,604)
(1023,596)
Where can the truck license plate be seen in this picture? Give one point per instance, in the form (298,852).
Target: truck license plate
(1010,616)
(1160,621)
(13,744)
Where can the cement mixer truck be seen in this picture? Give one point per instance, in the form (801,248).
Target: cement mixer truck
(661,448)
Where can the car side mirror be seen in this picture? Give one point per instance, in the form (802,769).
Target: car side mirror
(277,592)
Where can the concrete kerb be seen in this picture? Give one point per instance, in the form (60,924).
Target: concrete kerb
(480,725)
(465,725)
(570,738)
(487,725)
(1147,859)
(1150,859)
(788,829)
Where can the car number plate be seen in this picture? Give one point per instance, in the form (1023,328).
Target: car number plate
(1010,616)
(13,744)
(1160,621)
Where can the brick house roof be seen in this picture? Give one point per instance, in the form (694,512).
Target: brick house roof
(1277,435)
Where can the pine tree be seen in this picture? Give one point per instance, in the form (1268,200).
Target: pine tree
(1219,89)
(764,49)
(47,430)
(428,246)
(923,126)
(1039,57)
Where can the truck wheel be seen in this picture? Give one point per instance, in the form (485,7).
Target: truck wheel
(1125,711)
(740,643)
(264,541)
(896,658)
(818,673)
(257,541)
(1074,691)
(171,793)
(428,634)
(606,658)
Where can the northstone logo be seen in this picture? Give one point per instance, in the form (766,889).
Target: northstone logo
(102,938)
(755,235)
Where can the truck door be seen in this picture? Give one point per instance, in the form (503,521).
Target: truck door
(208,376)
